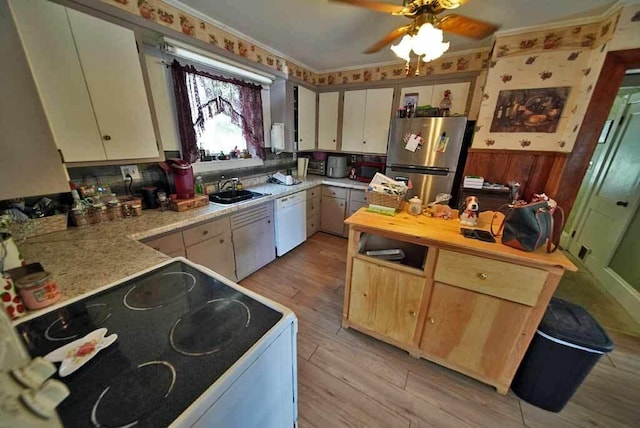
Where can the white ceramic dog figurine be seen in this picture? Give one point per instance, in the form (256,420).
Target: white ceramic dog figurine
(468,215)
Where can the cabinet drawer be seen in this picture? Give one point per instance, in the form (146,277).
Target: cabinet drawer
(313,224)
(507,281)
(357,196)
(313,193)
(205,231)
(313,207)
(334,192)
(167,244)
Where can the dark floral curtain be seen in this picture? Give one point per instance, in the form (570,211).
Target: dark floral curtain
(200,96)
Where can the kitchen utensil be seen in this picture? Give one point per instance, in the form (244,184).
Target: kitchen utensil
(38,290)
(79,352)
(337,167)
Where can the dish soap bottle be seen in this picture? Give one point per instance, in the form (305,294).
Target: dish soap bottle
(199,186)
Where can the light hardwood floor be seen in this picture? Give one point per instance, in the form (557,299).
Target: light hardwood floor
(348,379)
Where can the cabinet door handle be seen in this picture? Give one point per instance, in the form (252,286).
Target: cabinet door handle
(222,241)
(268,221)
(156,248)
(482,276)
(622,203)
(106,137)
(432,321)
(412,314)
(205,232)
(364,142)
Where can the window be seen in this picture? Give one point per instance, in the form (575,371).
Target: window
(216,113)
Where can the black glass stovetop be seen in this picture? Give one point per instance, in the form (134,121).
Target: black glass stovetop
(178,331)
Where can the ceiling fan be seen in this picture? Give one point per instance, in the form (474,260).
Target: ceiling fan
(425,12)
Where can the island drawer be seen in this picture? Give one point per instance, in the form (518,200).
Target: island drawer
(167,244)
(334,192)
(507,281)
(205,231)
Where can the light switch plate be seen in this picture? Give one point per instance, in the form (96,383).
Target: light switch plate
(131,170)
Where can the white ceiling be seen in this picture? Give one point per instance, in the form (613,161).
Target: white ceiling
(326,36)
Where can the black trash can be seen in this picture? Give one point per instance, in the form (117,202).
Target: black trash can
(567,344)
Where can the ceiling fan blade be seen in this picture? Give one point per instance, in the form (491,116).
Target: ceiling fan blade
(400,31)
(467,27)
(375,5)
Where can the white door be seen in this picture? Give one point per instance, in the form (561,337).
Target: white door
(377,119)
(353,120)
(49,46)
(613,203)
(113,73)
(306,119)
(328,121)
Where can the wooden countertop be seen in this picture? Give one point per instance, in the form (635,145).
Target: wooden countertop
(446,234)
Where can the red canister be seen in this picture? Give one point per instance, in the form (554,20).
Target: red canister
(10,299)
(38,290)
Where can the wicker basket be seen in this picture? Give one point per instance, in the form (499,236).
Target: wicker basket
(39,226)
(384,199)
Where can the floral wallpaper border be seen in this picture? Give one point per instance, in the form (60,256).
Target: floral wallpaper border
(577,38)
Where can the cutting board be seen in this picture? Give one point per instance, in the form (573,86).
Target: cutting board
(189,204)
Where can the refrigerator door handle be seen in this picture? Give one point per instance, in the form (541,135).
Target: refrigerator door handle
(429,170)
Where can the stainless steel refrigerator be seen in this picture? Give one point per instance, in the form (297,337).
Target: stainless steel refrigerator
(431,169)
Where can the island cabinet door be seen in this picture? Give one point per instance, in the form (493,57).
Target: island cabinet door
(216,254)
(473,332)
(385,300)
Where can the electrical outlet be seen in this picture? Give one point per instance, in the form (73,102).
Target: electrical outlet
(131,170)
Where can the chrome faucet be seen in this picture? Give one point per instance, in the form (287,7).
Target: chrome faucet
(223,183)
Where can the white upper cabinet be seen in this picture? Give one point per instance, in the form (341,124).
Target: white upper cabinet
(306,119)
(377,120)
(366,119)
(89,77)
(44,29)
(328,120)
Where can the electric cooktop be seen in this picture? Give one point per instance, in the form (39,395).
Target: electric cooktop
(179,330)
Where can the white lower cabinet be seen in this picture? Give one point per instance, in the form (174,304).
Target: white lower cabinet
(215,253)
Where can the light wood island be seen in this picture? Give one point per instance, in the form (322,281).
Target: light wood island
(468,305)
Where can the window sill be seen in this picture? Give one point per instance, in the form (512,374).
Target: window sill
(223,165)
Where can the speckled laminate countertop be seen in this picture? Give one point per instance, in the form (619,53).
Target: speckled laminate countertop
(83,260)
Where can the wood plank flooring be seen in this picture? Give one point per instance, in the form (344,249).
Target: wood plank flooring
(347,379)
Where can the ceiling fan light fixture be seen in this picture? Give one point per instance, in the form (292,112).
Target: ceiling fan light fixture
(403,49)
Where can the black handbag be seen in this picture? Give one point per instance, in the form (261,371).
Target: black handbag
(528,226)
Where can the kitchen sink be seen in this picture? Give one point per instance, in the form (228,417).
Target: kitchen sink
(229,197)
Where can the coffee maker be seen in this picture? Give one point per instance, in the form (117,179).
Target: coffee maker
(182,173)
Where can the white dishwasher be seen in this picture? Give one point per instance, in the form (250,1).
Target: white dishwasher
(291,222)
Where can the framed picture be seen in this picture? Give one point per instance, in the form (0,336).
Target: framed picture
(529,110)
(411,98)
(605,132)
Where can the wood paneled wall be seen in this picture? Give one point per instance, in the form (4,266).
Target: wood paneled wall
(533,170)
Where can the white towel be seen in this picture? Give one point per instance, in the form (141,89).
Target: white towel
(277,137)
